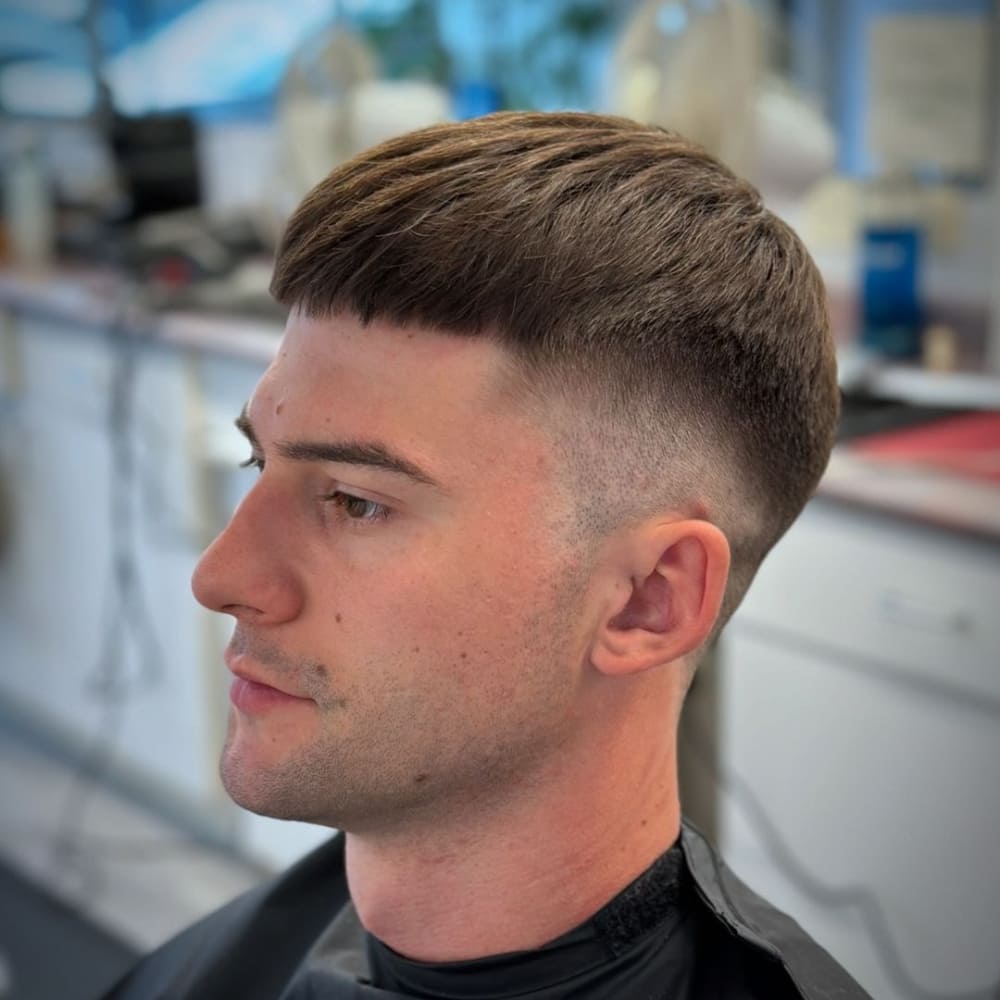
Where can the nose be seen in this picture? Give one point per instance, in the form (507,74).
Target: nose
(248,571)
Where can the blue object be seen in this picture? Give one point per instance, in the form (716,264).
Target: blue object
(474,98)
(892,317)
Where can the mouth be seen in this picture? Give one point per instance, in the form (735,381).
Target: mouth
(252,694)
(253,698)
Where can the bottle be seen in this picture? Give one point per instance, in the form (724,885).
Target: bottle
(27,205)
(892,248)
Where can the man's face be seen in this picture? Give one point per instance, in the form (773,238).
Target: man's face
(399,567)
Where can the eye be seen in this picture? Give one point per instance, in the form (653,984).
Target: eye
(253,462)
(358,508)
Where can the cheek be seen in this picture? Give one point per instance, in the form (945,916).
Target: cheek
(462,591)
(498,625)
(458,604)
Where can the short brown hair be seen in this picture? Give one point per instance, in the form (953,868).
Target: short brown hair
(629,274)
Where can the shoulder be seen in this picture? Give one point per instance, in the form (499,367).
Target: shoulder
(250,946)
(771,946)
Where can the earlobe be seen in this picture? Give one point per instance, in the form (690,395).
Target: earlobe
(675,590)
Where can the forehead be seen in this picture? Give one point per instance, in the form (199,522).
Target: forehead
(341,344)
(448,400)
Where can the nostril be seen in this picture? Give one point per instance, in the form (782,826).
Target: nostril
(241,611)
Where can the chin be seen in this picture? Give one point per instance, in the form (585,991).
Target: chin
(250,785)
(261,797)
(267,788)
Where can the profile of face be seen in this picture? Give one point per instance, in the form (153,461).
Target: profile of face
(400,572)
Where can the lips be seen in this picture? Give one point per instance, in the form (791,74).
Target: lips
(252,694)
(253,698)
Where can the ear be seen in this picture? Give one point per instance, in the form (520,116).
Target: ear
(674,575)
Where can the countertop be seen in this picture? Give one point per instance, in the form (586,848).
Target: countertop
(100,299)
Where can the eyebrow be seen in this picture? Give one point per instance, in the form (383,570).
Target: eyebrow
(366,453)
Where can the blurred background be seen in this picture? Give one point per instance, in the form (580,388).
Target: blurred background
(843,743)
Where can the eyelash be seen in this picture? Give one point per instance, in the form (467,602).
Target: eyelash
(343,501)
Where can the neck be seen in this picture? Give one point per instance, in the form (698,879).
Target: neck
(517,875)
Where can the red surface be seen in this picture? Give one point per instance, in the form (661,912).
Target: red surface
(968,445)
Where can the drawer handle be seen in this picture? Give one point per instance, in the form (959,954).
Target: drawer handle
(899,608)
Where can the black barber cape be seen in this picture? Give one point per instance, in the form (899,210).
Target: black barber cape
(686,929)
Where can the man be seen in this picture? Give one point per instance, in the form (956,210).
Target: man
(551,387)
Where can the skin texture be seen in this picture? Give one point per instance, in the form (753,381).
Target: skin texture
(485,706)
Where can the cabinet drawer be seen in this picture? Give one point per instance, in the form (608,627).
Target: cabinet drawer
(870,590)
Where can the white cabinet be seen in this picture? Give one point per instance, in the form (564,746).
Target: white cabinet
(102,647)
(858,747)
